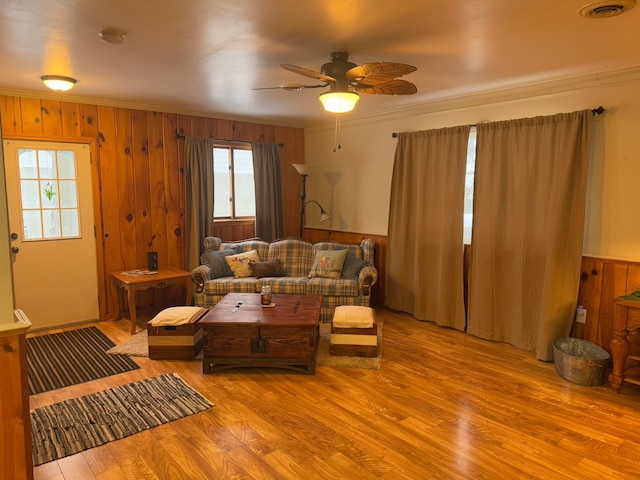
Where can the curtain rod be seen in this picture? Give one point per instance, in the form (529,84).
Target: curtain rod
(179,136)
(594,111)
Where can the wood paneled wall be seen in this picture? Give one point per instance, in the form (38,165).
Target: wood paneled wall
(601,282)
(139,178)
(233,230)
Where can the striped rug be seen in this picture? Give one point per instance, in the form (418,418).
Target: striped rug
(67,358)
(78,424)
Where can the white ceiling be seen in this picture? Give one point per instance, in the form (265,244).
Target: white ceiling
(205,56)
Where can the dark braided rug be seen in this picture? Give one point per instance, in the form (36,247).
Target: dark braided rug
(78,424)
(67,358)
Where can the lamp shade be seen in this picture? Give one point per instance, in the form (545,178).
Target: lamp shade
(339,102)
(301,168)
(55,82)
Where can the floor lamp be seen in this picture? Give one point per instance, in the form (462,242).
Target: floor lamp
(303,170)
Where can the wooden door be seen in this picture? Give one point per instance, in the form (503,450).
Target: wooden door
(52,232)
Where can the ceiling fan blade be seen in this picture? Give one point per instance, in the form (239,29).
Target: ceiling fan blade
(379,72)
(393,87)
(307,73)
(293,87)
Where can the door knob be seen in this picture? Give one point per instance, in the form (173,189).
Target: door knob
(15,249)
(14,236)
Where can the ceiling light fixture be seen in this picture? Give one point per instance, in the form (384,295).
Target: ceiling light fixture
(59,83)
(607,8)
(339,102)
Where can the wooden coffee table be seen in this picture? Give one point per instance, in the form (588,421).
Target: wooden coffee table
(240,332)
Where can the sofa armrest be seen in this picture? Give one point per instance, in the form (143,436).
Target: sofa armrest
(367,277)
(200,275)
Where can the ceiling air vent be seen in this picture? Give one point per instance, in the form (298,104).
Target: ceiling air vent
(607,8)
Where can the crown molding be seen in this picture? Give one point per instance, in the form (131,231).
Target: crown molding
(497,95)
(66,97)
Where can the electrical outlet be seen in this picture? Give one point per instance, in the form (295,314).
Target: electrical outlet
(581,316)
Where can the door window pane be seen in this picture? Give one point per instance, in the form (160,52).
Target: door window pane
(66,164)
(27,163)
(30,193)
(68,194)
(51,223)
(47,164)
(70,223)
(49,191)
(32,224)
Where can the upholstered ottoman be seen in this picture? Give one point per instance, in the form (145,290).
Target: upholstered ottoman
(175,333)
(354,332)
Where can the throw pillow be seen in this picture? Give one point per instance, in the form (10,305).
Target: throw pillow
(215,259)
(272,268)
(328,263)
(352,266)
(239,263)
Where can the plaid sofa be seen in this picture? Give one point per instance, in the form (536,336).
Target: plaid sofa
(297,257)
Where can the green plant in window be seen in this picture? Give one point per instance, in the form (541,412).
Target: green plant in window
(48,191)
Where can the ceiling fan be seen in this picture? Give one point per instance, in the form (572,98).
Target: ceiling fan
(346,80)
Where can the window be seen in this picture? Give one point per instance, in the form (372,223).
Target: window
(468,186)
(48,194)
(234,188)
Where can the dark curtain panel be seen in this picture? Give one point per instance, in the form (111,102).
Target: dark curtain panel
(528,226)
(424,268)
(266,174)
(199,190)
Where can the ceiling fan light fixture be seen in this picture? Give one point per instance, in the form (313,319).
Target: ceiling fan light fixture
(339,102)
(59,83)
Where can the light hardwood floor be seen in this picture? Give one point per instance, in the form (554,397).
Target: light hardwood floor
(445,405)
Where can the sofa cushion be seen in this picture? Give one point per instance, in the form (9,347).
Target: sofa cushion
(271,268)
(222,286)
(240,263)
(352,266)
(296,256)
(287,285)
(329,287)
(328,264)
(217,263)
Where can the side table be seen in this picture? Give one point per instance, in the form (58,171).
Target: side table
(626,316)
(132,283)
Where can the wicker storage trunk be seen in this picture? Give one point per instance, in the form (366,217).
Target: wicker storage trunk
(580,361)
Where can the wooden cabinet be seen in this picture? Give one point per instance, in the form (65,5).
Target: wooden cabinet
(267,346)
(626,317)
(15,419)
(239,332)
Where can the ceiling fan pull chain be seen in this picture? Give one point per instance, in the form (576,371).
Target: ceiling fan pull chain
(336,137)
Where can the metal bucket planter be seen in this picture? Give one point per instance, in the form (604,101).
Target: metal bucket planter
(580,361)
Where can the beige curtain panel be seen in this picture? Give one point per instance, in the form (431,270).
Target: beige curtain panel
(266,174)
(528,222)
(198,159)
(424,269)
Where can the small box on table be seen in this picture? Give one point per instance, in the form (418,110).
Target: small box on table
(175,342)
(354,332)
